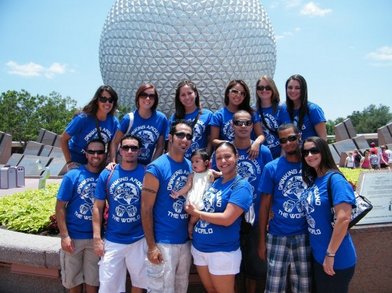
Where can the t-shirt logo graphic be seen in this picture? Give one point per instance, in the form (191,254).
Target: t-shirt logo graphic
(87,195)
(292,190)
(127,195)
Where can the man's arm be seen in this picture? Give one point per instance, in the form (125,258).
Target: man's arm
(265,207)
(149,194)
(99,205)
(66,241)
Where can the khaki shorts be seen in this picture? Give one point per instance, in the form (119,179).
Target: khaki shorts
(81,266)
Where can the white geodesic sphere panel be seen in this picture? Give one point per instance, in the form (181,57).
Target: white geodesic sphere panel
(207,41)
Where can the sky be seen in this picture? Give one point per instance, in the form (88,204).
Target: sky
(342,48)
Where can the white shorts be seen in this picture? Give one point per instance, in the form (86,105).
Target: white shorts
(218,263)
(115,262)
(81,266)
(176,266)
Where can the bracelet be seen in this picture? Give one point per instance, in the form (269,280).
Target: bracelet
(69,162)
(329,254)
(65,236)
(201,218)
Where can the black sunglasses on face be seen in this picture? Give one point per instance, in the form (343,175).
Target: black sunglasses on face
(290,138)
(93,152)
(181,135)
(313,151)
(262,88)
(242,122)
(133,148)
(105,99)
(145,96)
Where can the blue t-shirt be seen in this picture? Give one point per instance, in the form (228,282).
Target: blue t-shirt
(148,130)
(83,128)
(251,170)
(314,117)
(209,237)
(283,180)
(273,121)
(201,130)
(170,218)
(77,188)
(223,118)
(123,193)
(317,206)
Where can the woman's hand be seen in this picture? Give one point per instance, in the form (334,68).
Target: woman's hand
(328,265)
(192,210)
(254,150)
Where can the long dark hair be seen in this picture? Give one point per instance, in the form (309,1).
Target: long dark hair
(303,110)
(245,105)
(179,107)
(92,107)
(327,162)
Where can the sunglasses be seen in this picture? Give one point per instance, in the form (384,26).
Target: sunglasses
(242,122)
(262,88)
(237,92)
(145,96)
(313,151)
(290,138)
(105,99)
(181,135)
(93,152)
(133,148)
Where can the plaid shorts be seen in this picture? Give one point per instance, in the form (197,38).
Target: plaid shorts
(288,254)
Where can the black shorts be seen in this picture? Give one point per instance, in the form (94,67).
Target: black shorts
(251,265)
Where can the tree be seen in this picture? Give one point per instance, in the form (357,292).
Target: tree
(23,115)
(371,118)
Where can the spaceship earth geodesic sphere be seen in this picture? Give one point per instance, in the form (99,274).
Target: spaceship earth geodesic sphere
(166,41)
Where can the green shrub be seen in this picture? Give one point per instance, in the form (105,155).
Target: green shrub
(29,211)
(352,175)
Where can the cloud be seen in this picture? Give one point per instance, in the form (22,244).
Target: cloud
(36,70)
(288,34)
(312,9)
(381,57)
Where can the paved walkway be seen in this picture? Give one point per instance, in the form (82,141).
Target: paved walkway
(30,183)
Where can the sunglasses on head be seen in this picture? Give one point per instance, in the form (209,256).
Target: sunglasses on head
(290,138)
(181,135)
(105,99)
(262,88)
(93,152)
(133,148)
(313,151)
(242,122)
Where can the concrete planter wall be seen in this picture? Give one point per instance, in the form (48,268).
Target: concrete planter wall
(30,263)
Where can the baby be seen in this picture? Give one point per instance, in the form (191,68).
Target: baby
(198,181)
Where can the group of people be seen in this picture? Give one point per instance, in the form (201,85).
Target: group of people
(373,158)
(239,190)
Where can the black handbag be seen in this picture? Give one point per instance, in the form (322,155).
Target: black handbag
(362,205)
